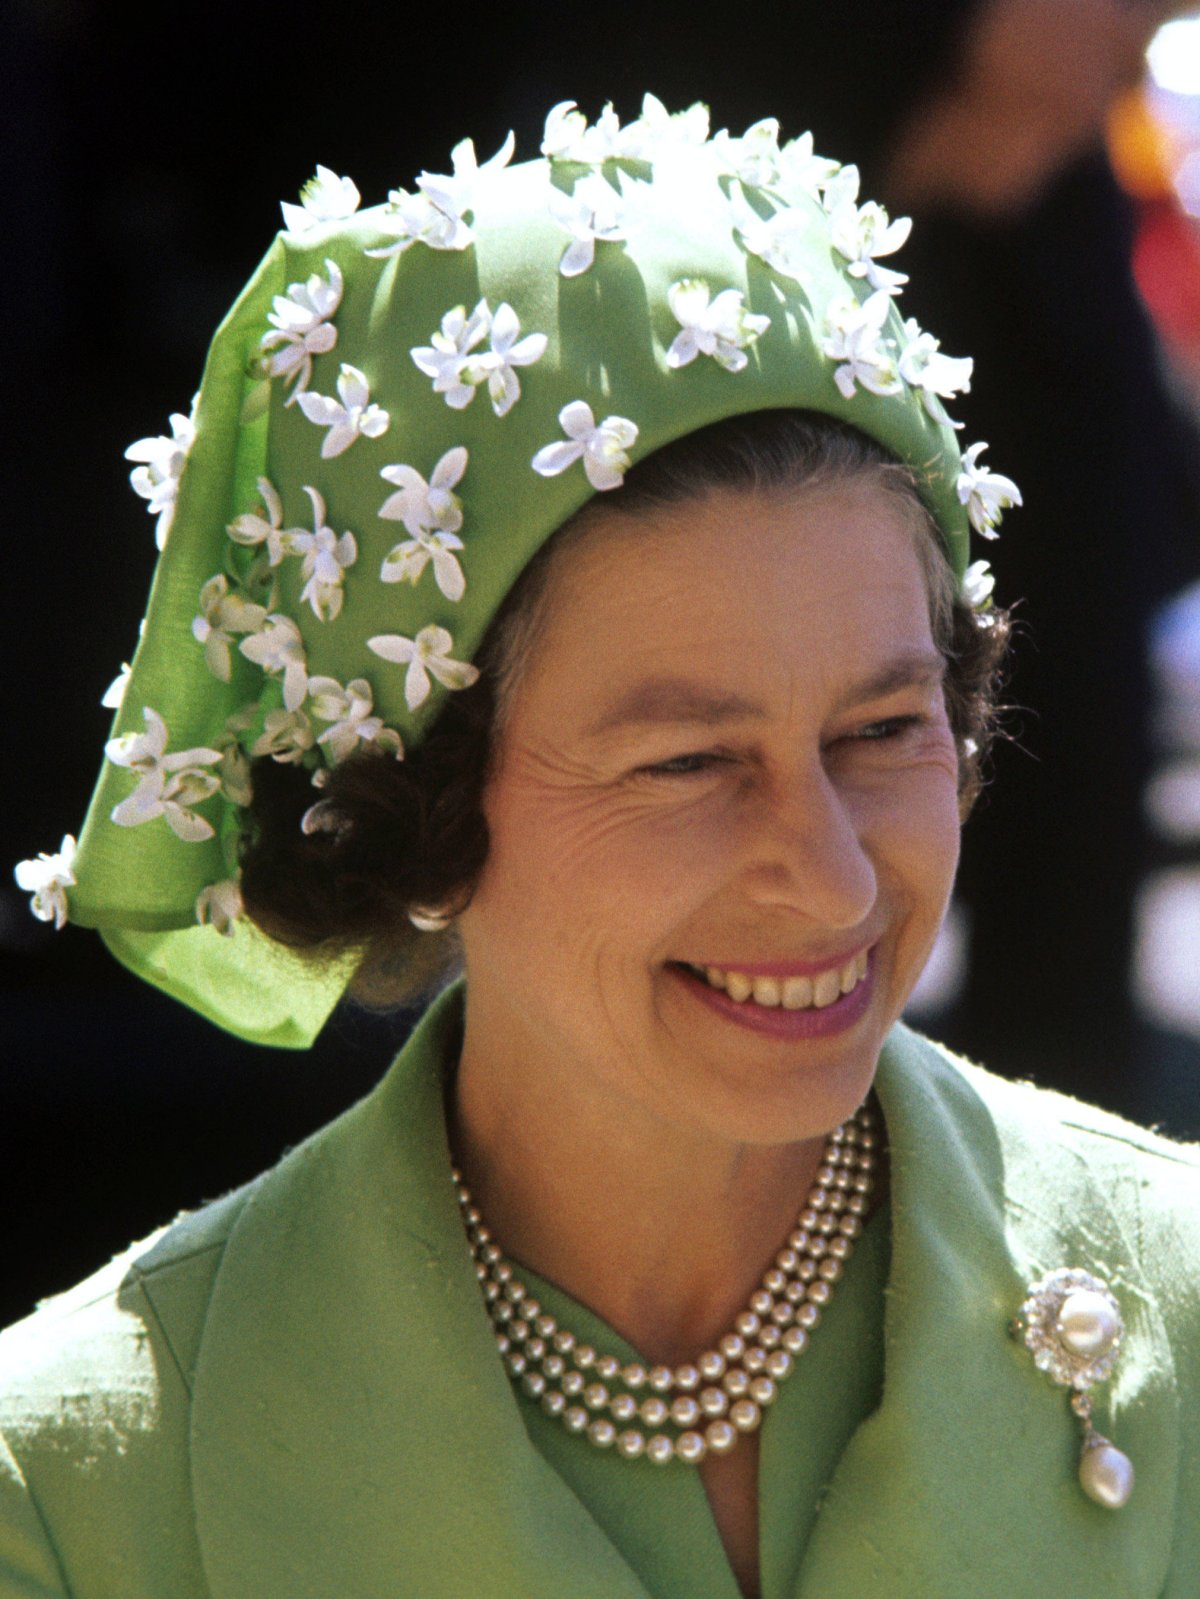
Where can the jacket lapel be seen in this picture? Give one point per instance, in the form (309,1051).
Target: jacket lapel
(362,1438)
(964,1480)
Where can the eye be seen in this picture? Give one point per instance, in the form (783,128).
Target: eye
(890,727)
(682,765)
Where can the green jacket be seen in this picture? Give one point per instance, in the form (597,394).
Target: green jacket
(294,1394)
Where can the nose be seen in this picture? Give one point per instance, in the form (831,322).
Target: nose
(806,853)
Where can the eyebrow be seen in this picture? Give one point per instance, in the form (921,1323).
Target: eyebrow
(661,701)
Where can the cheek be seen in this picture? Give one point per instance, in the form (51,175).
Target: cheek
(625,858)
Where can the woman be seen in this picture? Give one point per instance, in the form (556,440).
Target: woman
(664,600)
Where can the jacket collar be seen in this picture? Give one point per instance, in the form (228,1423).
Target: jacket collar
(351,1422)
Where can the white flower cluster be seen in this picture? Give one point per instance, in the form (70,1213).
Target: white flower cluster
(458,368)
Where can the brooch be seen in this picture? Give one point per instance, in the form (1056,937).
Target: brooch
(1071,1323)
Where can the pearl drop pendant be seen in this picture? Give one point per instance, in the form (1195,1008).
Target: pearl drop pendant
(1071,1324)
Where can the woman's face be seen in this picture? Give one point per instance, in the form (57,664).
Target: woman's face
(728,758)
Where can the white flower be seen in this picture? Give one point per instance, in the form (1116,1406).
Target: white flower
(497,366)
(801,172)
(157,479)
(223,614)
(457,372)
(593,210)
(977,584)
(285,737)
(405,562)
(924,367)
(114,694)
(301,327)
(754,158)
(251,529)
(346,421)
(442,358)
(325,198)
(426,507)
(567,136)
(435,215)
(722,328)
(220,904)
(860,233)
(325,559)
(985,494)
(234,769)
(602,446)
(428,653)
(455,194)
(658,129)
(48,878)
(279,649)
(413,219)
(351,711)
(852,337)
(779,239)
(169,785)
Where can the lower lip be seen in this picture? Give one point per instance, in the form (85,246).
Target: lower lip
(776,1022)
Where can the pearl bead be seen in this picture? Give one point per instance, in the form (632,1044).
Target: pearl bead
(761,1303)
(820,1292)
(1088,1324)
(653,1412)
(585,1356)
(602,1432)
(711,1364)
(720,1436)
(1106,1474)
(779,1364)
(661,1379)
(608,1367)
(755,1361)
(745,1415)
(687,1378)
(534,1384)
(713,1401)
(554,1366)
(554,1403)
(794,1339)
(573,1383)
(685,1412)
(830,1269)
(774,1281)
(575,1418)
(518,1328)
(782,1314)
(623,1407)
(733,1347)
(763,1391)
(747,1324)
(631,1443)
(769,1337)
(634,1375)
(595,1396)
(808,1315)
(690,1447)
(736,1382)
(660,1449)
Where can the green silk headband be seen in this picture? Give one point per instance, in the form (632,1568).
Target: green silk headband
(402,406)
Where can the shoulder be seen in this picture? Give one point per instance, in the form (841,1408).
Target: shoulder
(1135,1190)
(95,1391)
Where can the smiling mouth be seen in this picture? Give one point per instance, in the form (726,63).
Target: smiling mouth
(815,992)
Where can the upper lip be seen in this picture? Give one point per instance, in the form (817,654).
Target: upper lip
(808,968)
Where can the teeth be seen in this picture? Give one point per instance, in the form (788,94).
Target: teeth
(792,993)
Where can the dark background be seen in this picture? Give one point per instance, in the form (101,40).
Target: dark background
(144,153)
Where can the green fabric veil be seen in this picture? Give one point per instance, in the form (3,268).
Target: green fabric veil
(401,407)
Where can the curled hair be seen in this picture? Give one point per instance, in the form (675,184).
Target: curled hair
(390,839)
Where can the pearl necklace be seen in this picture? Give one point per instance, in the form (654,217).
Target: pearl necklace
(686,1412)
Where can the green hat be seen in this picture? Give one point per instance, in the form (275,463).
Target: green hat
(401,407)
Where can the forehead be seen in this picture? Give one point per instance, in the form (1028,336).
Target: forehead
(738,588)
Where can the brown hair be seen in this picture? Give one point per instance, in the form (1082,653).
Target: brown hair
(411,835)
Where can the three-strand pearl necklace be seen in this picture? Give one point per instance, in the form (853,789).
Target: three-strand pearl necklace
(686,1412)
